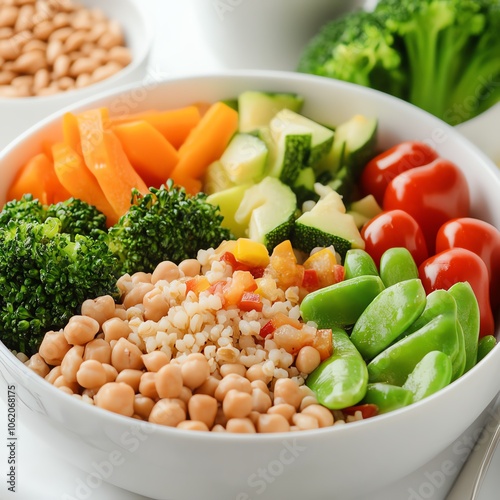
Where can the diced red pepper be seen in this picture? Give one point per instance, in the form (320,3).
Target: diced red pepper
(323,343)
(197,284)
(367,410)
(276,321)
(250,301)
(310,280)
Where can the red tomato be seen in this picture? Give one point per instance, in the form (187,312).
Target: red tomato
(431,194)
(383,168)
(443,270)
(479,237)
(394,228)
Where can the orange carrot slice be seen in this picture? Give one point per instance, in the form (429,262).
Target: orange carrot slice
(106,159)
(37,177)
(71,132)
(151,155)
(78,180)
(206,142)
(174,124)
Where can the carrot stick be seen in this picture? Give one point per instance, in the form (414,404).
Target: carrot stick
(105,158)
(206,142)
(37,177)
(174,124)
(79,181)
(71,132)
(151,155)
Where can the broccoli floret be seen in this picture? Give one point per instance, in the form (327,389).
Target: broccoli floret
(27,209)
(356,48)
(45,276)
(165,224)
(448,50)
(78,217)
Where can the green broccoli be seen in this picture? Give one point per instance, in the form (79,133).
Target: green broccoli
(45,276)
(165,224)
(447,48)
(27,209)
(356,48)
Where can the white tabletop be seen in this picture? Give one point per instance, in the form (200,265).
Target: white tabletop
(42,475)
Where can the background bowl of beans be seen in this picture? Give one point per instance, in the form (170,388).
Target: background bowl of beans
(335,461)
(55,52)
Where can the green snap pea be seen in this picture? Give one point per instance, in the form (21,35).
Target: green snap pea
(431,374)
(358,262)
(340,381)
(485,345)
(469,318)
(389,314)
(394,364)
(397,264)
(387,397)
(442,302)
(341,304)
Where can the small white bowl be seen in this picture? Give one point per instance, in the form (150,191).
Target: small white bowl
(18,114)
(340,462)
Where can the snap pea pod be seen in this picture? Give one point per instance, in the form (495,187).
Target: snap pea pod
(341,304)
(389,314)
(394,364)
(442,302)
(387,397)
(397,264)
(358,262)
(469,318)
(485,345)
(431,374)
(340,381)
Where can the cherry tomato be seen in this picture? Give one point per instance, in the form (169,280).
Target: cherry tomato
(431,194)
(394,228)
(383,168)
(443,270)
(481,238)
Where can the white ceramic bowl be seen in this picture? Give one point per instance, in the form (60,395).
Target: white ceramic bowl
(333,463)
(20,113)
(264,34)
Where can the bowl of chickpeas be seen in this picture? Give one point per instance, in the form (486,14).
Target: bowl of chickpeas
(56,52)
(179,399)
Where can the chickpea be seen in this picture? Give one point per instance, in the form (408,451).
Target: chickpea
(232,381)
(165,270)
(91,374)
(136,295)
(307,360)
(115,329)
(255,372)
(323,415)
(185,395)
(259,384)
(307,401)
(203,408)
(111,372)
(153,361)
(190,267)
(101,309)
(116,397)
(237,404)
(195,370)
(155,305)
(287,391)
(305,422)
(81,329)
(62,382)
(130,377)
(261,401)
(167,412)
(240,426)
(98,349)
(192,425)
(71,363)
(208,387)
(147,385)
(272,423)
(169,382)
(228,368)
(143,406)
(220,418)
(283,409)
(54,347)
(53,374)
(126,355)
(38,365)
(218,428)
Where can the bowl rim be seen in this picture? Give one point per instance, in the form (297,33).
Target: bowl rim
(274,75)
(141,16)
